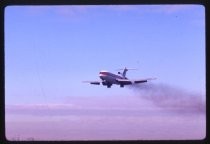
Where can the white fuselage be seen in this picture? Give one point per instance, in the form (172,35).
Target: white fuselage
(109,78)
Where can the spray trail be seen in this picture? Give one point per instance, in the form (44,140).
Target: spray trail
(170,98)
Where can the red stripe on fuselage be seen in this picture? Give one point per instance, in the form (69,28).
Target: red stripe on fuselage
(110,74)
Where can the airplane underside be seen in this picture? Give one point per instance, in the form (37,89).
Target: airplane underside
(105,83)
(109,86)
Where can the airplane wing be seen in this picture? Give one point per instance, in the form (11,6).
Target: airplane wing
(143,80)
(93,82)
(128,82)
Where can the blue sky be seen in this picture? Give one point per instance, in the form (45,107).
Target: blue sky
(50,50)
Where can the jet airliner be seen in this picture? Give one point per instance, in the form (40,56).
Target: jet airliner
(108,79)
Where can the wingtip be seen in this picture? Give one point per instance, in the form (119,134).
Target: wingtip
(153,78)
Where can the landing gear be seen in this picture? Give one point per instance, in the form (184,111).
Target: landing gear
(109,85)
(121,85)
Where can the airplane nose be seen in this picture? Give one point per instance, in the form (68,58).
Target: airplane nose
(102,76)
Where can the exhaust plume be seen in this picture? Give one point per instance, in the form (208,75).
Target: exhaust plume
(170,98)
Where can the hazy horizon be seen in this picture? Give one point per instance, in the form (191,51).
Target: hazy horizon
(143,115)
(137,119)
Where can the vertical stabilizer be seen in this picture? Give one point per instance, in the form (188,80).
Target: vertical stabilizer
(124,72)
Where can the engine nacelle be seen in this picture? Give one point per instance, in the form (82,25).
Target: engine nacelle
(104,83)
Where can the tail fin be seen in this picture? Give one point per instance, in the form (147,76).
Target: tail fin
(124,71)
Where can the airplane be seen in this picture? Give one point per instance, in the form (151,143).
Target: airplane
(108,79)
